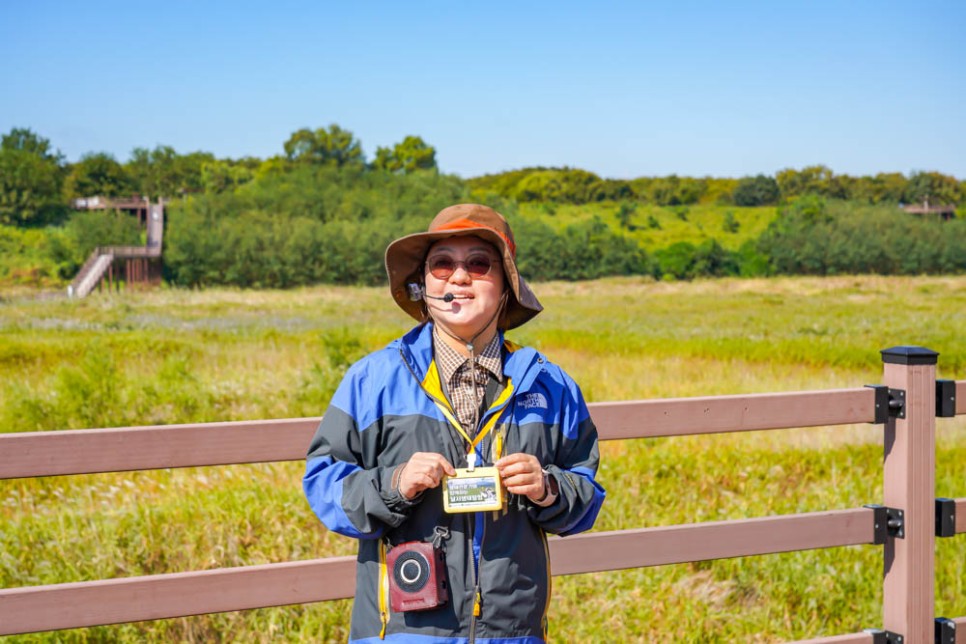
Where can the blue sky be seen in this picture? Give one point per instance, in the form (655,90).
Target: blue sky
(621,89)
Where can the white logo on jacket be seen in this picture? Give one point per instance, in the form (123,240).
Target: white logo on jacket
(534,401)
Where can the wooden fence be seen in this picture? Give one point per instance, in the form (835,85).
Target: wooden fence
(905,522)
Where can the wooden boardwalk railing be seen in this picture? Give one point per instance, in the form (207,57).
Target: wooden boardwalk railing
(87,451)
(909,434)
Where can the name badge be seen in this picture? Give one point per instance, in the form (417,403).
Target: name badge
(475,490)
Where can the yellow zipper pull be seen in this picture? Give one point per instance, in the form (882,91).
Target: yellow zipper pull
(477,609)
(498,445)
(383,591)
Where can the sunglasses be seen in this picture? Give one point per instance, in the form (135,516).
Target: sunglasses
(442,266)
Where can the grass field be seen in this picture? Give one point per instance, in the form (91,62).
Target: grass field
(177,356)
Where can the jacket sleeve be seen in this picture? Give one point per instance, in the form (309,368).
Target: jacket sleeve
(344,487)
(580,496)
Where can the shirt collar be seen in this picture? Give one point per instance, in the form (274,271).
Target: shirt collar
(449,360)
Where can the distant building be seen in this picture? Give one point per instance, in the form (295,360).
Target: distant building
(944,212)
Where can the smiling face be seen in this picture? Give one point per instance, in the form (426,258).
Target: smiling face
(455,266)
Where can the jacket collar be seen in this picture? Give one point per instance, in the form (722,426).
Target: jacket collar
(522,364)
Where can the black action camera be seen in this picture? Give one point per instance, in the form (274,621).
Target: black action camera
(417,576)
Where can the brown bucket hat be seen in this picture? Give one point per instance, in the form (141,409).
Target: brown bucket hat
(406,255)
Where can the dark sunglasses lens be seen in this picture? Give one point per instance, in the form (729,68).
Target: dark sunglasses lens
(442,267)
(478,266)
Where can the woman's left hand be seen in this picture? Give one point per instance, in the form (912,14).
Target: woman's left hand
(522,474)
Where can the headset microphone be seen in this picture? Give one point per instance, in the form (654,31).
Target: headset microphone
(418,292)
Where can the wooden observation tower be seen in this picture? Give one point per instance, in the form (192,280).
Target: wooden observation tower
(134,265)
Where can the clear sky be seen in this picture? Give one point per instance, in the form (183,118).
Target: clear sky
(623,89)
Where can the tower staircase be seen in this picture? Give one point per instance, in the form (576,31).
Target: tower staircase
(141,264)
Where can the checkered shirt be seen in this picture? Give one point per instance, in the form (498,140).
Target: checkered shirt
(454,369)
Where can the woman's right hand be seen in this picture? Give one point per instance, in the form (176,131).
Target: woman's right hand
(423,470)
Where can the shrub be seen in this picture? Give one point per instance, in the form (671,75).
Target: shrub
(760,190)
(814,237)
(685,261)
(586,250)
(87,230)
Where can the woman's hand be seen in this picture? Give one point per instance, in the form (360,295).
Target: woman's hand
(522,474)
(423,470)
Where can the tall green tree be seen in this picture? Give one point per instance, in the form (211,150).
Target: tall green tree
(558,185)
(188,171)
(883,187)
(224,175)
(153,171)
(325,146)
(31,179)
(26,140)
(98,173)
(564,185)
(410,155)
(813,179)
(934,187)
(162,172)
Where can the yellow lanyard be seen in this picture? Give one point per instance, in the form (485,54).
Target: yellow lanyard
(434,387)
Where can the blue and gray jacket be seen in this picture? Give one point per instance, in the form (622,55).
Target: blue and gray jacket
(389,406)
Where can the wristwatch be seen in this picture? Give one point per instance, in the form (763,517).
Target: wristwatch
(550,489)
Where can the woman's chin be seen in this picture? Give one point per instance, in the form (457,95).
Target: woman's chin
(460,324)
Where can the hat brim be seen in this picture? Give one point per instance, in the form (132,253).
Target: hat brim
(404,264)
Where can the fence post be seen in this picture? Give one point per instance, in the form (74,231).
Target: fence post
(910,486)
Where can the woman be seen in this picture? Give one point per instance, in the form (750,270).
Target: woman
(453,402)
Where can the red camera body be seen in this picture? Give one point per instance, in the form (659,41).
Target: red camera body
(417,577)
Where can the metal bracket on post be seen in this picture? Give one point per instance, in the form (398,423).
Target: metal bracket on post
(881,403)
(897,403)
(945,517)
(888,402)
(945,631)
(888,522)
(945,398)
(880,636)
(896,523)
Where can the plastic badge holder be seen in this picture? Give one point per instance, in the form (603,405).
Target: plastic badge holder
(476,490)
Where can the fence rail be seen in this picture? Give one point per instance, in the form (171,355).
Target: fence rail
(88,451)
(877,636)
(51,607)
(851,638)
(190,593)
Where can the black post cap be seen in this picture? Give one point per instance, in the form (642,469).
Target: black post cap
(909,355)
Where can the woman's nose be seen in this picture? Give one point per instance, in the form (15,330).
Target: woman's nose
(460,274)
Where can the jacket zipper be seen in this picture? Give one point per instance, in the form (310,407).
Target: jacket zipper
(477,597)
(477,609)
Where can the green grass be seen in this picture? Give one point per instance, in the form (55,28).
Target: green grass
(656,227)
(175,356)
